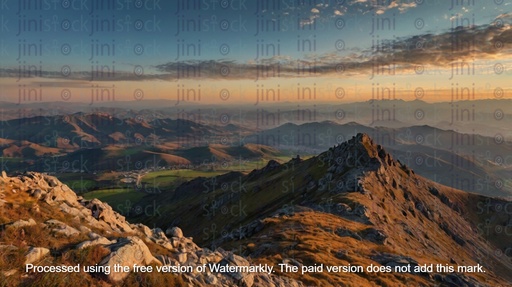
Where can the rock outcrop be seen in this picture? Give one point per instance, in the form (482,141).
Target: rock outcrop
(127,252)
(127,244)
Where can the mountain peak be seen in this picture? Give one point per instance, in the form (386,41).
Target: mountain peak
(362,138)
(361,152)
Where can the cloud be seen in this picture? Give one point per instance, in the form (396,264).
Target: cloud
(309,12)
(485,42)
(380,7)
(454,17)
(393,4)
(505,19)
(81,75)
(402,7)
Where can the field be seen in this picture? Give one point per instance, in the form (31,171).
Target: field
(107,186)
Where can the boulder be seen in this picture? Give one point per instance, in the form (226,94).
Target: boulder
(393,260)
(244,279)
(174,232)
(182,257)
(60,228)
(37,194)
(59,193)
(97,241)
(23,223)
(52,181)
(35,254)
(374,235)
(127,252)
(344,232)
(102,212)
(210,279)
(72,211)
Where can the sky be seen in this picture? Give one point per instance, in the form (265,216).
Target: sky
(254,52)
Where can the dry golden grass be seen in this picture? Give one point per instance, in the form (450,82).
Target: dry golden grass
(117,136)
(60,280)
(169,158)
(39,149)
(12,151)
(63,143)
(12,258)
(153,279)
(5,142)
(36,235)
(309,238)
(86,257)
(219,153)
(8,281)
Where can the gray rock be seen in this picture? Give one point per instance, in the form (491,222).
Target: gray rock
(35,254)
(52,181)
(210,279)
(388,259)
(60,228)
(343,209)
(182,257)
(22,223)
(343,232)
(127,252)
(374,235)
(37,193)
(107,217)
(245,279)
(97,241)
(64,207)
(9,272)
(174,232)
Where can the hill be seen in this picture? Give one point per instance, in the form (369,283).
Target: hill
(353,204)
(465,161)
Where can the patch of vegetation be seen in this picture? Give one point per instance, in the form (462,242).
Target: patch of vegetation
(12,258)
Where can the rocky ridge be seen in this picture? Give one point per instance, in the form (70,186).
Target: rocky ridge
(355,204)
(89,223)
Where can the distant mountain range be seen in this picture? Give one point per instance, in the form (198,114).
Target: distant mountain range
(486,117)
(464,161)
(469,162)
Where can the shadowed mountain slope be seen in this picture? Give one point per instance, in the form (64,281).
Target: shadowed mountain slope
(353,204)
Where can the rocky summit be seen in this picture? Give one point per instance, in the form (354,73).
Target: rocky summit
(355,206)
